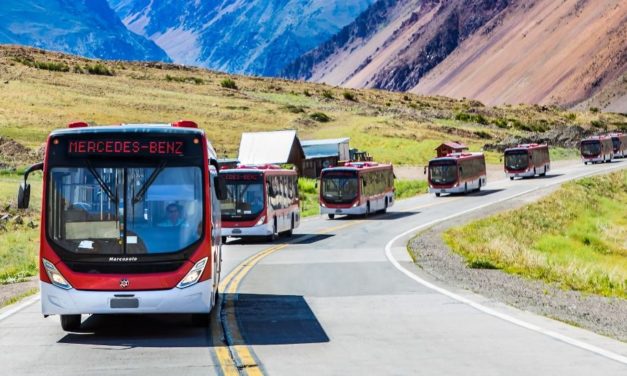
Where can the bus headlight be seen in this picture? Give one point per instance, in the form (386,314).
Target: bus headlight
(261,220)
(193,275)
(55,277)
(355,204)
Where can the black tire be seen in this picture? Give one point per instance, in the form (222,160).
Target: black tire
(367,209)
(385,206)
(290,232)
(70,323)
(511,178)
(437,194)
(331,216)
(275,234)
(224,240)
(479,187)
(465,187)
(534,172)
(543,173)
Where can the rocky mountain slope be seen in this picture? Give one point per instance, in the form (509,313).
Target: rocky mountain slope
(82,27)
(239,36)
(496,51)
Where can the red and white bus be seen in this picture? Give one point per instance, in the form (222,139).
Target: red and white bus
(130,221)
(457,173)
(527,160)
(261,201)
(597,149)
(619,141)
(356,188)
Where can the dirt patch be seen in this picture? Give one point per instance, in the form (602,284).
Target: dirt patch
(563,136)
(12,153)
(596,313)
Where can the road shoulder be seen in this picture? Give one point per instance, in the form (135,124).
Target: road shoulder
(599,314)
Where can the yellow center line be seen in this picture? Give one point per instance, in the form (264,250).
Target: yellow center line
(236,350)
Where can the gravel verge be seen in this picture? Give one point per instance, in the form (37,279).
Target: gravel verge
(599,314)
(13,290)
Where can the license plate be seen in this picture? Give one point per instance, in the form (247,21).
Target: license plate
(237,231)
(338,211)
(124,303)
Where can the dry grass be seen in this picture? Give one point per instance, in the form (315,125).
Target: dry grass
(395,127)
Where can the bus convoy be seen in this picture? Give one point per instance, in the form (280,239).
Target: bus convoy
(261,201)
(134,216)
(457,173)
(356,188)
(527,160)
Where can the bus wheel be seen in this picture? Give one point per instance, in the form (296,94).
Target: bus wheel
(511,178)
(291,230)
(543,172)
(331,216)
(275,234)
(70,323)
(367,209)
(224,240)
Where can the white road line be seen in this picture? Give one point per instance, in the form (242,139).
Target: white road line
(485,309)
(18,307)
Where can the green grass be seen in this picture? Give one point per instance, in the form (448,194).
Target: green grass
(576,237)
(309,204)
(19,243)
(410,188)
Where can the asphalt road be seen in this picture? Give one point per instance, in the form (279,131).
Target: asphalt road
(341,297)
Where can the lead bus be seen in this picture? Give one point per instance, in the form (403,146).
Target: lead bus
(527,160)
(356,188)
(597,149)
(130,221)
(457,173)
(260,201)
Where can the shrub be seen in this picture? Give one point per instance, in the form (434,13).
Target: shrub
(191,79)
(228,83)
(99,69)
(594,109)
(327,94)
(77,69)
(306,93)
(44,65)
(483,135)
(349,96)
(294,109)
(320,117)
(598,124)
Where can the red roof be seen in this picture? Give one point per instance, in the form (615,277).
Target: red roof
(454,145)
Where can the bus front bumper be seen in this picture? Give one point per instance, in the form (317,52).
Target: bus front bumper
(357,210)
(260,230)
(194,299)
(458,189)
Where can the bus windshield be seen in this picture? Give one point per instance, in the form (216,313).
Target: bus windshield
(516,159)
(245,196)
(616,143)
(125,210)
(443,172)
(339,187)
(591,148)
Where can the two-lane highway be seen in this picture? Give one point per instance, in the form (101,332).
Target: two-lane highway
(335,299)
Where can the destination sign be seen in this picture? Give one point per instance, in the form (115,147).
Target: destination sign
(126,147)
(243,177)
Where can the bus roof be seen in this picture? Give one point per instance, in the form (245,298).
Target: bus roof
(596,138)
(527,147)
(257,168)
(358,166)
(458,156)
(128,128)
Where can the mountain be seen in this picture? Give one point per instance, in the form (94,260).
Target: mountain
(83,27)
(496,51)
(238,36)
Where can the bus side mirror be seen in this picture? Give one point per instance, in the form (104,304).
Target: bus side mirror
(424,172)
(23,194)
(316,185)
(220,187)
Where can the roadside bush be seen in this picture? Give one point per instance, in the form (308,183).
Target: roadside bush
(349,96)
(191,79)
(306,93)
(472,118)
(320,117)
(327,94)
(294,109)
(598,124)
(99,70)
(228,83)
(409,188)
(44,65)
(483,135)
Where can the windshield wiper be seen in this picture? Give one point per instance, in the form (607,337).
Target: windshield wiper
(103,185)
(151,179)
